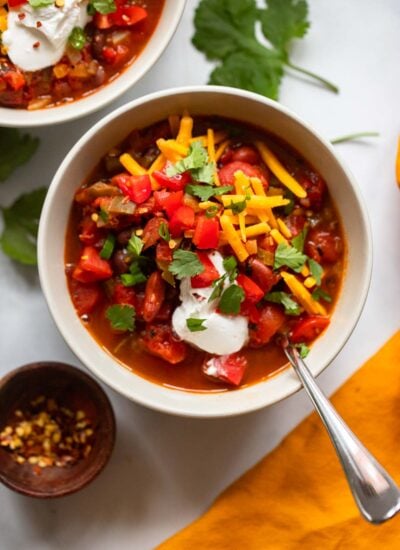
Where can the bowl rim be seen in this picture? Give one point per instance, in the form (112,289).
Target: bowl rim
(184,410)
(100,98)
(64,369)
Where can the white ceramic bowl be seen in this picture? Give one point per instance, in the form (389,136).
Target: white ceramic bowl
(232,103)
(157,43)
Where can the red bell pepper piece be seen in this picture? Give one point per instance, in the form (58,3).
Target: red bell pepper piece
(14,79)
(114,55)
(91,267)
(206,234)
(174,183)
(102,21)
(183,218)
(252,291)
(308,328)
(169,202)
(15,3)
(136,188)
(88,231)
(272,318)
(208,276)
(159,340)
(124,295)
(227,368)
(85,297)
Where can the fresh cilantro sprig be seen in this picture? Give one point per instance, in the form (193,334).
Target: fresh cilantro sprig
(135,246)
(320,294)
(197,163)
(231,299)
(196,325)
(315,270)
(185,264)
(101,6)
(289,256)
(205,192)
(290,305)
(299,240)
(21,222)
(225,31)
(15,149)
(77,38)
(121,317)
(238,206)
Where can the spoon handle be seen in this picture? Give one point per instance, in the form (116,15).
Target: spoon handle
(376,494)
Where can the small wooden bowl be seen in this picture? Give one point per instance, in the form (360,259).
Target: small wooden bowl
(71,388)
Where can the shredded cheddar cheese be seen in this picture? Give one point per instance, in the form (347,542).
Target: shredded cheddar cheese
(259,190)
(130,164)
(172,150)
(221,148)
(185,131)
(257,229)
(254,202)
(251,246)
(233,238)
(302,294)
(284,229)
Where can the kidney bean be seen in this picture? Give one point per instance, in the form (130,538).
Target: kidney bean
(119,261)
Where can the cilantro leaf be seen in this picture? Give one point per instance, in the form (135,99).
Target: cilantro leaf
(121,317)
(197,158)
(77,38)
(205,192)
(212,211)
(135,246)
(291,307)
(288,256)
(230,265)
(218,287)
(320,294)
(102,6)
(304,350)
(135,275)
(195,325)
(231,299)
(237,207)
(299,239)
(283,20)
(205,174)
(40,3)
(185,264)
(15,149)
(21,222)
(316,270)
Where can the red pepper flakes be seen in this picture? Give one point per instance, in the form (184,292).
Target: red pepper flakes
(36,44)
(47,434)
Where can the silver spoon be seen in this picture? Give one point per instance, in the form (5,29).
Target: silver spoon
(376,494)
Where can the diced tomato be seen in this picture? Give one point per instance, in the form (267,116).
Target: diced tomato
(253,293)
(90,262)
(127,15)
(89,232)
(263,275)
(182,219)
(227,368)
(163,252)
(159,340)
(15,3)
(14,79)
(323,246)
(252,312)
(136,188)
(84,276)
(114,55)
(102,22)
(307,329)
(167,201)
(246,153)
(165,312)
(85,297)
(208,276)
(206,234)
(151,231)
(174,183)
(154,296)
(271,320)
(124,295)
(227,173)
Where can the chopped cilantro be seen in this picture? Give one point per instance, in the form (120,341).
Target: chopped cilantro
(197,162)
(230,265)
(238,206)
(21,222)
(212,211)
(163,231)
(289,256)
(185,264)
(77,38)
(304,350)
(102,6)
(15,149)
(135,275)
(205,192)
(316,270)
(218,287)
(135,246)
(291,307)
(103,215)
(299,239)
(231,299)
(40,3)
(121,317)
(195,325)
(108,247)
(320,294)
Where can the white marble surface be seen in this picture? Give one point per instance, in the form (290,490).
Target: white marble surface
(165,471)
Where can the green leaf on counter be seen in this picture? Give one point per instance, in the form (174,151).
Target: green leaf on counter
(16,149)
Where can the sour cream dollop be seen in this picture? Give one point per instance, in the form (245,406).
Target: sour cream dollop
(36,38)
(224,334)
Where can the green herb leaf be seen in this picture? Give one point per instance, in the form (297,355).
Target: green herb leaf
(320,294)
(102,6)
(121,317)
(298,240)
(196,325)
(237,207)
(288,256)
(304,350)
(316,270)
(40,3)
(205,192)
(218,287)
(164,233)
(230,266)
(77,38)
(284,20)
(21,222)
(212,211)
(108,247)
(15,149)
(135,275)
(231,299)
(197,158)
(103,215)
(291,307)
(354,137)
(135,246)
(185,264)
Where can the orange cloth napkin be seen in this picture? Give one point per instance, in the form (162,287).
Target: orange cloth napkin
(297,496)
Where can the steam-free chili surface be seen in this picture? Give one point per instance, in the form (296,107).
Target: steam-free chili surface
(313,217)
(112,43)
